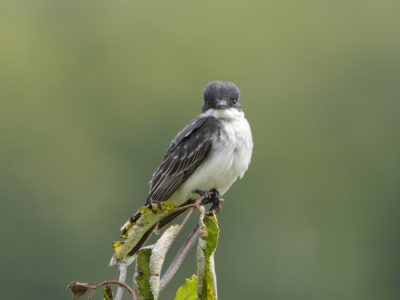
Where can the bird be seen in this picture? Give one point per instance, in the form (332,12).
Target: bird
(205,158)
(210,153)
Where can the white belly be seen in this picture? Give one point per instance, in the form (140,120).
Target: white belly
(228,160)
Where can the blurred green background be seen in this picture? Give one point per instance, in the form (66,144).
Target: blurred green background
(93,91)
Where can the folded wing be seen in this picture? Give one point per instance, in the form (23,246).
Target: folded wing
(186,153)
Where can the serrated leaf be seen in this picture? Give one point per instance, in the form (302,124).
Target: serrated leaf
(187,291)
(207,280)
(107,293)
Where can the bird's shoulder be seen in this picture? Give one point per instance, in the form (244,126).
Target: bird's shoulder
(201,128)
(186,153)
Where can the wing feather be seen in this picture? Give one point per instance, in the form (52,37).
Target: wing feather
(185,154)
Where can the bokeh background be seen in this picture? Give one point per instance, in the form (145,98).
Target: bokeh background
(93,91)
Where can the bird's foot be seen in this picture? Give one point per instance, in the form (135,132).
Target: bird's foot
(208,196)
(153,204)
(217,206)
(212,196)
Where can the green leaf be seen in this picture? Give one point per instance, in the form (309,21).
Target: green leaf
(142,274)
(149,262)
(134,229)
(188,291)
(159,251)
(207,280)
(107,293)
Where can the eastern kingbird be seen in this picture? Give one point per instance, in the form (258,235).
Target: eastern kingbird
(206,157)
(210,153)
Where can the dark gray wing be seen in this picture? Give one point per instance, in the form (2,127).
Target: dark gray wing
(186,153)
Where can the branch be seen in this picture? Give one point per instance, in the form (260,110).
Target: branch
(122,276)
(179,258)
(187,245)
(155,258)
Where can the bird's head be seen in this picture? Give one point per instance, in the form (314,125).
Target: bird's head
(221,95)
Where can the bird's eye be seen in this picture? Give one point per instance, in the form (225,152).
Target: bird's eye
(233,101)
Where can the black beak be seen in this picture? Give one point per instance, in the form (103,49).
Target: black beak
(222,104)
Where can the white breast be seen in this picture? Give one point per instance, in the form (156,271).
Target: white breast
(228,160)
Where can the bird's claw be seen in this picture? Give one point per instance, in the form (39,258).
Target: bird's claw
(211,196)
(153,204)
(217,205)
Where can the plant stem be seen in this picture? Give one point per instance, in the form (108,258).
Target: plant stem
(179,258)
(122,276)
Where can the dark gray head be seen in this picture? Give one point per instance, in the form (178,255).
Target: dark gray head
(221,95)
